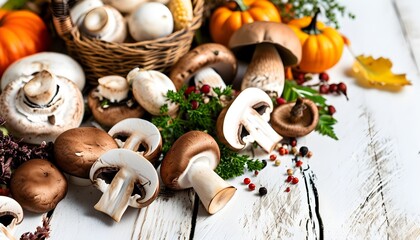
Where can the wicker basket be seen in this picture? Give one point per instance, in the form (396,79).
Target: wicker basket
(100,58)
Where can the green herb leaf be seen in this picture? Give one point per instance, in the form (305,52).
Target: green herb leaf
(325,126)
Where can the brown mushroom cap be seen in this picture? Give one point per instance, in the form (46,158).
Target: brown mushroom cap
(295,119)
(38,185)
(212,55)
(245,39)
(182,151)
(108,117)
(75,150)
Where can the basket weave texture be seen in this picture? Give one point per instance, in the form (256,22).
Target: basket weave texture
(99,58)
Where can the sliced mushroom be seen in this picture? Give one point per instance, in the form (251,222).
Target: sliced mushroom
(138,135)
(209,55)
(38,186)
(40,107)
(56,63)
(246,121)
(271,46)
(150,88)
(295,119)
(120,104)
(126,179)
(76,149)
(104,23)
(11,214)
(190,163)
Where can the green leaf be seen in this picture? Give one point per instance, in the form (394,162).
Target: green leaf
(325,126)
(14,4)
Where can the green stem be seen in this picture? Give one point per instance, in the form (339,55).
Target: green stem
(241,5)
(311,28)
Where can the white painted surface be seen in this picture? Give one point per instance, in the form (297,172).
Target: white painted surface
(367,181)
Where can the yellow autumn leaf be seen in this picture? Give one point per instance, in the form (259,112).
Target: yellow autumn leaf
(378,72)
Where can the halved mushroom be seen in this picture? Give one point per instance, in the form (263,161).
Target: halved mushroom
(150,88)
(209,63)
(38,186)
(246,121)
(138,135)
(295,119)
(112,101)
(104,23)
(126,179)
(40,107)
(272,46)
(11,214)
(56,63)
(76,149)
(190,163)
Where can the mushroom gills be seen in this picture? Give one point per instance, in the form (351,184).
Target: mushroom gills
(7,218)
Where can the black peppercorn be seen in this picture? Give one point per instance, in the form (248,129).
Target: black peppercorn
(264,162)
(262,191)
(303,151)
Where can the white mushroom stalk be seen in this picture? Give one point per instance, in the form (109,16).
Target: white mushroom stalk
(9,207)
(250,111)
(208,76)
(138,133)
(41,89)
(135,183)
(114,88)
(150,88)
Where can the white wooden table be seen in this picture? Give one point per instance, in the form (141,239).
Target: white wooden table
(367,183)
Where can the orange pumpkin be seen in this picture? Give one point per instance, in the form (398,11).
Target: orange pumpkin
(22,33)
(322,46)
(230,17)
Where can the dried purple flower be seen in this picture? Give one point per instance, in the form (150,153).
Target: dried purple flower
(41,233)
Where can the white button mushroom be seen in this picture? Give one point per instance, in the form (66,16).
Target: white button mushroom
(13,213)
(126,179)
(190,163)
(80,8)
(125,6)
(246,121)
(138,135)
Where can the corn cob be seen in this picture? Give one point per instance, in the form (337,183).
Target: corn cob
(182,11)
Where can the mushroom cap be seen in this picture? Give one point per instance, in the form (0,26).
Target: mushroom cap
(213,55)
(245,39)
(139,133)
(37,185)
(76,149)
(34,124)
(191,146)
(113,114)
(229,127)
(283,124)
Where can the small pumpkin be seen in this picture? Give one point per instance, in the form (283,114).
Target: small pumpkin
(22,33)
(230,17)
(322,46)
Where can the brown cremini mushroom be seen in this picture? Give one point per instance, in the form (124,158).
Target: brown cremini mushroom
(37,185)
(11,214)
(111,101)
(126,179)
(138,135)
(295,119)
(268,46)
(190,163)
(76,149)
(213,58)
(245,120)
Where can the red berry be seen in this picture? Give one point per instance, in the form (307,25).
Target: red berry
(189,90)
(331,109)
(194,104)
(333,88)
(324,76)
(251,186)
(256,172)
(295,180)
(247,181)
(287,189)
(293,142)
(282,151)
(299,163)
(343,88)
(300,77)
(205,89)
(289,178)
(323,89)
(273,157)
(280,101)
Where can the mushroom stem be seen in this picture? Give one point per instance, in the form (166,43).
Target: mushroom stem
(210,77)
(266,70)
(259,130)
(213,191)
(113,88)
(296,112)
(41,88)
(115,199)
